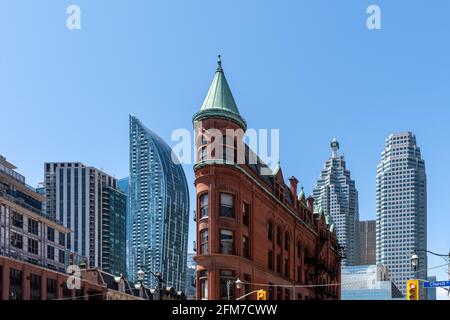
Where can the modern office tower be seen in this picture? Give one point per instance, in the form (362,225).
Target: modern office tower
(190,277)
(336,195)
(367,242)
(41,190)
(89,202)
(431,292)
(113,235)
(368,282)
(159,209)
(124,187)
(251,225)
(401,202)
(26,234)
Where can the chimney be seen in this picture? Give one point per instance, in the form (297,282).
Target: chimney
(294,183)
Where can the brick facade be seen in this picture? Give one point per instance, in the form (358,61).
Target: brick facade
(279,244)
(49,284)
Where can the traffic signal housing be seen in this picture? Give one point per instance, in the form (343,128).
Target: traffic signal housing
(261,295)
(412,290)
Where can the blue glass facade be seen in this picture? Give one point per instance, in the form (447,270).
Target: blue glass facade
(159,209)
(123,185)
(431,292)
(369,282)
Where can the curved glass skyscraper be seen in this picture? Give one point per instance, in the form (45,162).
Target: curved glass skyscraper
(159,209)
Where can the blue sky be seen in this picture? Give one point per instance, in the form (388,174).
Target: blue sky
(310,68)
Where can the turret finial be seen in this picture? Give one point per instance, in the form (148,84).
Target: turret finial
(219,61)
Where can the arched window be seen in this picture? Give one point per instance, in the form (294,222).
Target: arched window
(270,230)
(204,205)
(287,243)
(279,236)
(204,241)
(203,284)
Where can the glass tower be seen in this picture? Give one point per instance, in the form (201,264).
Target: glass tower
(89,202)
(123,185)
(113,224)
(159,209)
(336,195)
(368,282)
(401,203)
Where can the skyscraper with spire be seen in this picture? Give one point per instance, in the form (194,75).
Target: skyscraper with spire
(336,196)
(159,210)
(401,200)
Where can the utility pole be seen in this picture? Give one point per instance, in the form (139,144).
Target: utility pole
(448,268)
(229,284)
(415,263)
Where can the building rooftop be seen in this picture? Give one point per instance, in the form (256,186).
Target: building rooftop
(219,101)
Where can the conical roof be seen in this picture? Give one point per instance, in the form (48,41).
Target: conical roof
(219,102)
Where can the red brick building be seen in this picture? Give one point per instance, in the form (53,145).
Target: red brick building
(252,226)
(25,281)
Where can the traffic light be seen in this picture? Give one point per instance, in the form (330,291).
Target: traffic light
(412,290)
(261,295)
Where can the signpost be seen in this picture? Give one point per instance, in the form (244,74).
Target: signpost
(435,284)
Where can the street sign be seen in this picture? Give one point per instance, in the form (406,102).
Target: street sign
(435,284)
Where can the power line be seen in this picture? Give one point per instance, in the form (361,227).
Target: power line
(78,297)
(319,285)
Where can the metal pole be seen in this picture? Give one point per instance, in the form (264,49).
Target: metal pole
(448,289)
(229,283)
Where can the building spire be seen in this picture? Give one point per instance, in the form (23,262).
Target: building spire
(334,147)
(219,101)
(219,62)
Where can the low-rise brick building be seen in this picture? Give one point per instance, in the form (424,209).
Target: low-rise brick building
(24,281)
(26,234)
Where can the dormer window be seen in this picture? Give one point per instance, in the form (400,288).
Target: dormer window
(279,191)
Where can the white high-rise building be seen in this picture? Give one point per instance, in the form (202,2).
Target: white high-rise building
(401,200)
(336,195)
(89,202)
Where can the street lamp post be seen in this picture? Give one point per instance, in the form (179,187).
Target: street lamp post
(230,283)
(158,276)
(415,261)
(140,285)
(415,264)
(160,281)
(120,284)
(415,257)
